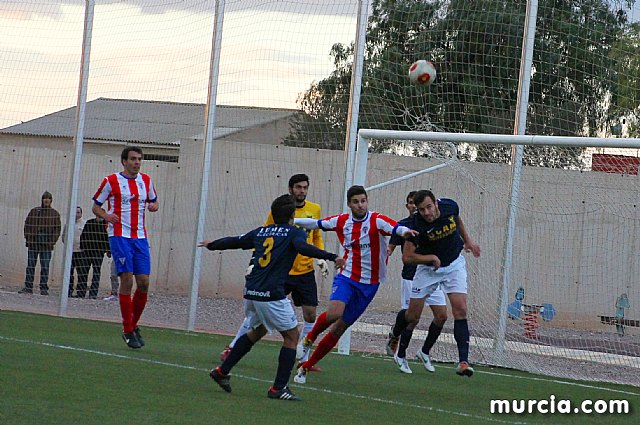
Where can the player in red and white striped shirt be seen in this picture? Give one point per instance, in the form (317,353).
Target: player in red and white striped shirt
(128,194)
(363,235)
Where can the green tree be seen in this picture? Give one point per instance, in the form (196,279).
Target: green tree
(476,47)
(626,55)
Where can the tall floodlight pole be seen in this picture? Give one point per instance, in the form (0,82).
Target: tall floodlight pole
(77,158)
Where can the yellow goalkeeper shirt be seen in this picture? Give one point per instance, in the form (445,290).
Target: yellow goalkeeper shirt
(302,264)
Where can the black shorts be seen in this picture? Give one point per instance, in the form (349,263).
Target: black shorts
(303,289)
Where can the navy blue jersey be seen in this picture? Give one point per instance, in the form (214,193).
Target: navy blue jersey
(441,237)
(408,270)
(275,249)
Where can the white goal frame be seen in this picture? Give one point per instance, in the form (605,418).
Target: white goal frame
(359,167)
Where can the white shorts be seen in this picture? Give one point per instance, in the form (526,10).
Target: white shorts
(452,278)
(436,298)
(274,315)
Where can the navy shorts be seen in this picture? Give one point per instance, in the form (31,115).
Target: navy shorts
(303,289)
(357,296)
(130,255)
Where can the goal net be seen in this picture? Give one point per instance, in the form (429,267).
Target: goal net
(149,67)
(283,84)
(555,285)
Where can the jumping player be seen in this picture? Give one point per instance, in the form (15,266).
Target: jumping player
(436,301)
(437,254)
(301,283)
(266,305)
(362,234)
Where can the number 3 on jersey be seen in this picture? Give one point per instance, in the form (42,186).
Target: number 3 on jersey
(266,258)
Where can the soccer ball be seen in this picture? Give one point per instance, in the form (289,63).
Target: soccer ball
(422,72)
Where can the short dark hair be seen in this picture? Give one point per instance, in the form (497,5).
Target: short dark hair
(421,195)
(411,195)
(297,178)
(282,208)
(355,190)
(125,152)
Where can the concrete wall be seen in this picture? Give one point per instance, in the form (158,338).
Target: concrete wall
(576,242)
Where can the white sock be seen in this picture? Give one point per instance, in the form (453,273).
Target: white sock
(244,328)
(306,328)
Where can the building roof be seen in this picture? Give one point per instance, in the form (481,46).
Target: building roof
(146,122)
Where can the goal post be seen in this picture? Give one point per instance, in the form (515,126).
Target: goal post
(547,274)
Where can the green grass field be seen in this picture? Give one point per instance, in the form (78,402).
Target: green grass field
(71,371)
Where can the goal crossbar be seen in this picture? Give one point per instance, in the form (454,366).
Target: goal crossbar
(364,135)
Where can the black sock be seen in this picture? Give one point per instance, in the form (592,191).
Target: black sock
(401,323)
(240,349)
(432,336)
(461,335)
(405,339)
(286,359)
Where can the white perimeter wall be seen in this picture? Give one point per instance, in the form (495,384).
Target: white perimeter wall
(576,243)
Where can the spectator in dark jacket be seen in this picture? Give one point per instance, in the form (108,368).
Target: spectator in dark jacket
(41,232)
(94,243)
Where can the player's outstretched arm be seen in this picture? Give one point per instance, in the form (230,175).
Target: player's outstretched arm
(306,223)
(230,242)
(409,256)
(469,244)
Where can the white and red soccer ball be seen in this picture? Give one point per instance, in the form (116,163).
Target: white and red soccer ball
(422,72)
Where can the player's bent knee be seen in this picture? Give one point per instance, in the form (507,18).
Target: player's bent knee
(439,316)
(290,338)
(332,316)
(257,333)
(339,328)
(413,316)
(459,314)
(308,316)
(412,321)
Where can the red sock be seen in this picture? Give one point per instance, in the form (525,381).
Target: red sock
(326,344)
(320,326)
(126,309)
(139,302)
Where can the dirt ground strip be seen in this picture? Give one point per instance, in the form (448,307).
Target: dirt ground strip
(223,316)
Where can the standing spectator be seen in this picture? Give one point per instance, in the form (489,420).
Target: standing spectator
(115,282)
(41,232)
(94,243)
(77,258)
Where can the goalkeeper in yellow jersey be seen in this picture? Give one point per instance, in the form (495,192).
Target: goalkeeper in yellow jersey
(301,283)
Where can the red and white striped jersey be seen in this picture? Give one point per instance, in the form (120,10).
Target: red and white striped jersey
(127,199)
(365,244)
